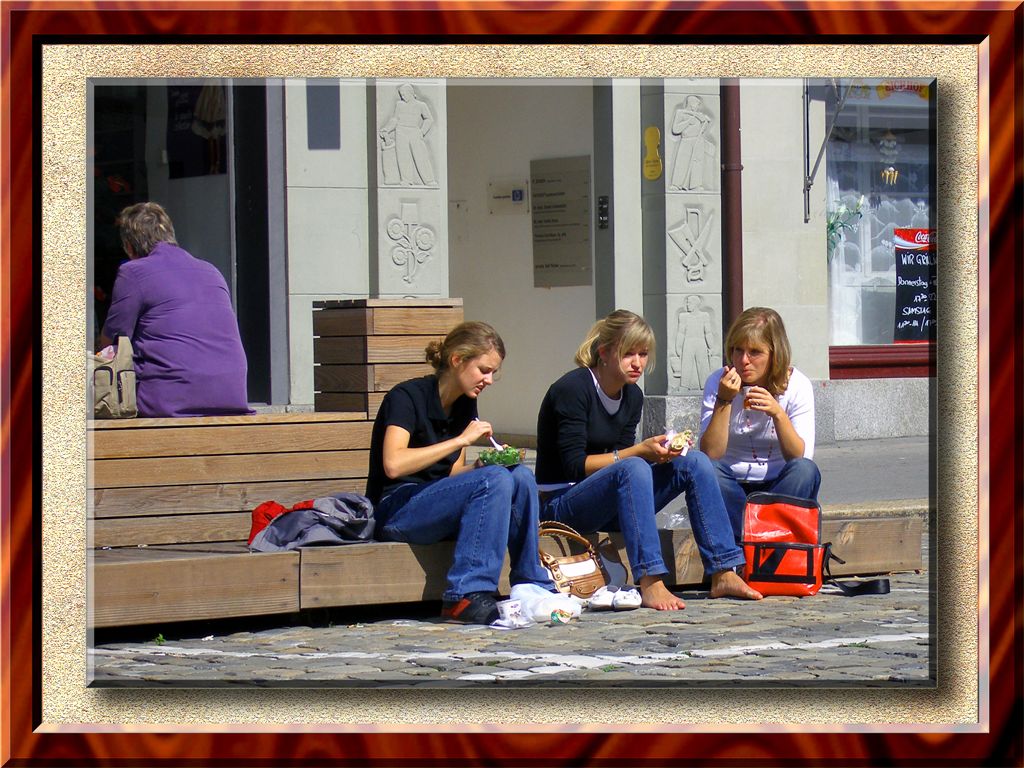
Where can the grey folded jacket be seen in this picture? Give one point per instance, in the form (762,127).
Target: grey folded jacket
(343,518)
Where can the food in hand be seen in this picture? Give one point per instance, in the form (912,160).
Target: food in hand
(746,398)
(679,441)
(506,457)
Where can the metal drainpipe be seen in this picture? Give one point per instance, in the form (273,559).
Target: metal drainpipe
(732,200)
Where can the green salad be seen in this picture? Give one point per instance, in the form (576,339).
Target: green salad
(506,457)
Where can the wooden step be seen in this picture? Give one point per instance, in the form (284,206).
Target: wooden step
(149,584)
(144,586)
(378,573)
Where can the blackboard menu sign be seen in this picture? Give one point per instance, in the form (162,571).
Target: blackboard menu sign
(915,285)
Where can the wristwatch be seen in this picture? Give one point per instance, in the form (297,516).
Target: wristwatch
(615,455)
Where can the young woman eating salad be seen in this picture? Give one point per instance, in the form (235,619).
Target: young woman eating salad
(423,491)
(592,476)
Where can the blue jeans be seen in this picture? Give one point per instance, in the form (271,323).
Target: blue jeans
(799,477)
(486,511)
(625,495)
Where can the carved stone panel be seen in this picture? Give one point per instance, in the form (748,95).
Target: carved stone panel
(408,134)
(412,242)
(692,142)
(693,244)
(694,339)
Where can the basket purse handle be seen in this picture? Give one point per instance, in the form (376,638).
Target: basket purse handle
(560,530)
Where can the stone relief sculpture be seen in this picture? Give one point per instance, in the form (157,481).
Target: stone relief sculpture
(695,154)
(691,237)
(693,357)
(404,154)
(413,241)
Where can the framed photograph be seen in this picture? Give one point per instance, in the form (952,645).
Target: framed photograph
(58,64)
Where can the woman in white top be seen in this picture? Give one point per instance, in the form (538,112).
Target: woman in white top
(763,441)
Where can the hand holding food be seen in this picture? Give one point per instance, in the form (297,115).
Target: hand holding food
(506,456)
(760,399)
(730,383)
(679,441)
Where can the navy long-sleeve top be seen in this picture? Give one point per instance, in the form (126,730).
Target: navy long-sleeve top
(573,424)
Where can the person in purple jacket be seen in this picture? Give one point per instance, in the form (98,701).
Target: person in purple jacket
(176,310)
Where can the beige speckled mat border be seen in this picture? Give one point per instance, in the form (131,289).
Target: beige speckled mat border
(67,705)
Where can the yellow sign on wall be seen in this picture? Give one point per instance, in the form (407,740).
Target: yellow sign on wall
(652,157)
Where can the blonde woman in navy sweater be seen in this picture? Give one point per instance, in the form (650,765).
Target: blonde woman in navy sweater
(593,476)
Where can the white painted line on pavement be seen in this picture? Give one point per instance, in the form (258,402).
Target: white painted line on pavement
(548,663)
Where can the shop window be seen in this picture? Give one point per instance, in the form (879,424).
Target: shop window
(880,185)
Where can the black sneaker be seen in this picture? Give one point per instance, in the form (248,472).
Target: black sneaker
(474,608)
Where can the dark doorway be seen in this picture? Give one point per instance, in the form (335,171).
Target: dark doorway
(119,180)
(252,251)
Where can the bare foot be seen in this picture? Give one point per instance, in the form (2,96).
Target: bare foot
(729,584)
(655,595)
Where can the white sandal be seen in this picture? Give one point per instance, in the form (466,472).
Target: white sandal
(603,599)
(615,598)
(627,599)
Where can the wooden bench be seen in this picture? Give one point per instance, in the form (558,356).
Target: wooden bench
(171,512)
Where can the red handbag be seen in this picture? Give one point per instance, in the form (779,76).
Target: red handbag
(784,551)
(782,545)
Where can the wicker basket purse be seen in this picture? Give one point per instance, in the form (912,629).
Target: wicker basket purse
(574,574)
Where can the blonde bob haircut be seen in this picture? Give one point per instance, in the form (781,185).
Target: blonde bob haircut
(762,327)
(621,332)
(466,340)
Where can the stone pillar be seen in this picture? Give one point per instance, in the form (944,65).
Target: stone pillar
(411,189)
(326,187)
(683,234)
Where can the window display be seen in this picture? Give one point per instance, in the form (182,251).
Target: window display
(880,170)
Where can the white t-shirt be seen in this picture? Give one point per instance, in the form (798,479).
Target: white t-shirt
(753,450)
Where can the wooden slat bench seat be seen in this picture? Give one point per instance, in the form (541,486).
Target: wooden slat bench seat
(171,504)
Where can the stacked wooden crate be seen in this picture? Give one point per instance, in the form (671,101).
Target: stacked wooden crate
(363,347)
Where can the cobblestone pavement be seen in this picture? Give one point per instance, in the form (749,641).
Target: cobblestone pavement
(829,639)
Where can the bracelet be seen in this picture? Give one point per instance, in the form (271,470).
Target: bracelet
(615,455)
(719,399)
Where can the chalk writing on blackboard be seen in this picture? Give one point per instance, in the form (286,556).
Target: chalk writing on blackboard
(915,285)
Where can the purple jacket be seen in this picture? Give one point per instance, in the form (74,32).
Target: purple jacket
(176,309)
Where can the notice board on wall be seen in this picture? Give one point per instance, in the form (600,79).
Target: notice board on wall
(915,285)
(560,192)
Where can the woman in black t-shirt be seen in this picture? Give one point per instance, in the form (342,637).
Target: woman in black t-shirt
(424,491)
(593,476)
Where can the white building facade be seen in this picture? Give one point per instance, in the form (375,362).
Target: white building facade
(682,200)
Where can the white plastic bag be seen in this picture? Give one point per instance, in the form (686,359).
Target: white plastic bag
(543,606)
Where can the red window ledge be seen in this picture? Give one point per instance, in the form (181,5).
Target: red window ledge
(882,361)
